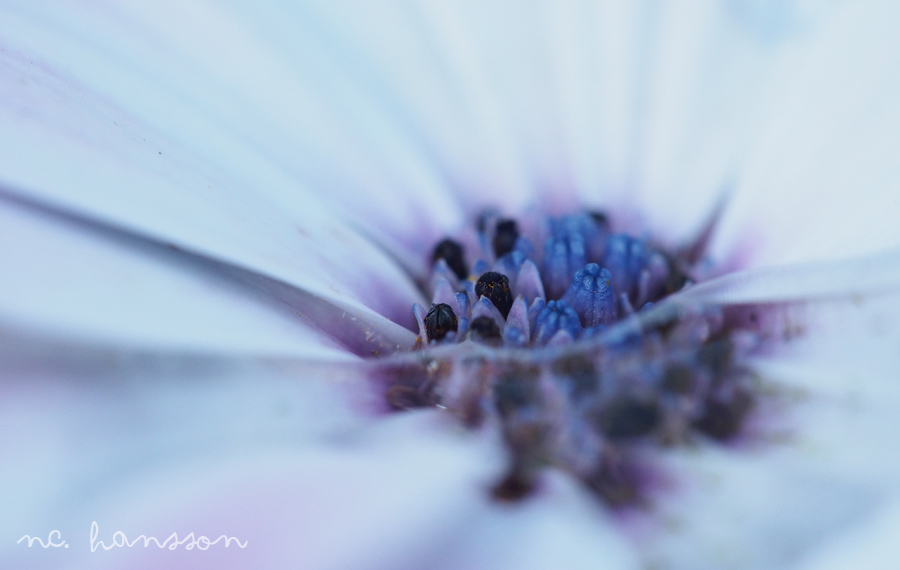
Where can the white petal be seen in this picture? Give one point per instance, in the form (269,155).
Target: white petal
(870,544)
(851,278)
(158,166)
(703,70)
(562,528)
(273,79)
(247,451)
(210,105)
(824,466)
(80,423)
(821,179)
(61,280)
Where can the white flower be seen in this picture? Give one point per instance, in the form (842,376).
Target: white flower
(182,184)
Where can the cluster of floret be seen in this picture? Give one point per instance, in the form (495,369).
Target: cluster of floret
(581,280)
(544,334)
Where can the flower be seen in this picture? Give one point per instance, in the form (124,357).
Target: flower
(179,182)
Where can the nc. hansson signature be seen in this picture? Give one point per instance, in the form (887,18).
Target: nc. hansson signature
(119,540)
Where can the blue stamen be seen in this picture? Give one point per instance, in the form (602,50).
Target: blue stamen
(534,310)
(562,258)
(591,296)
(556,316)
(573,240)
(462,301)
(513,336)
(624,257)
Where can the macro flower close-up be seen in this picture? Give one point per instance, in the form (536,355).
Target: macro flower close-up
(404,284)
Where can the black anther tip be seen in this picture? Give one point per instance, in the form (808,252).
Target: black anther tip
(495,286)
(484,329)
(439,321)
(452,253)
(505,236)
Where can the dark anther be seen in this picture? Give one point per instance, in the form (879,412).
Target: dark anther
(516,390)
(579,373)
(514,487)
(676,278)
(484,329)
(505,237)
(452,253)
(723,420)
(401,397)
(511,395)
(481,221)
(716,355)
(625,417)
(600,219)
(617,484)
(678,379)
(495,286)
(439,321)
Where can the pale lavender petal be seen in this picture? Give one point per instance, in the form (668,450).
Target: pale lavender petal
(485,308)
(444,293)
(528,283)
(443,271)
(518,318)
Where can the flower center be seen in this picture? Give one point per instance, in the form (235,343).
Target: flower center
(565,335)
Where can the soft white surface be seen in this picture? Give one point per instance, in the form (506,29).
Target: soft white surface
(273,454)
(855,277)
(85,124)
(871,544)
(59,280)
(822,478)
(820,179)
